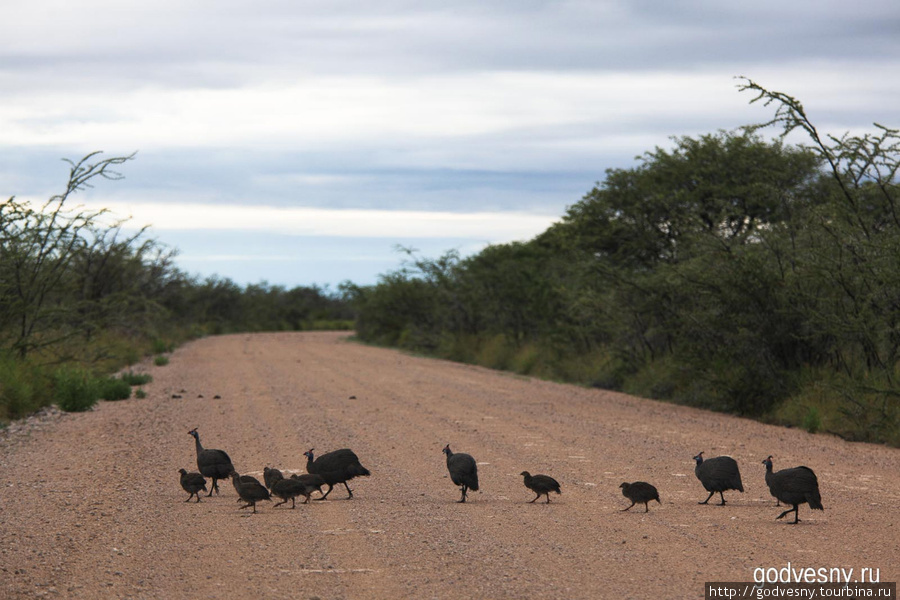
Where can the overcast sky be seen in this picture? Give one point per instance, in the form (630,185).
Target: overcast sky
(301,142)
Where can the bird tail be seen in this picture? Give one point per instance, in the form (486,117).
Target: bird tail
(359,471)
(815,500)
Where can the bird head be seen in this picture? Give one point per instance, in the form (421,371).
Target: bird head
(447,450)
(624,485)
(525,474)
(182,471)
(768,461)
(309,454)
(193,432)
(699,458)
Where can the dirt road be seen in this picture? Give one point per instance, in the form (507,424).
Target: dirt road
(91,505)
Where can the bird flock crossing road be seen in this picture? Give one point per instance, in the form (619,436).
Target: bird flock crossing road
(94,505)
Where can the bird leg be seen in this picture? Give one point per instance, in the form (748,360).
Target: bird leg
(707,498)
(464,489)
(548,497)
(722,496)
(280,503)
(535,498)
(793,510)
(326,493)
(189,497)
(624,509)
(348,491)
(646,507)
(198,496)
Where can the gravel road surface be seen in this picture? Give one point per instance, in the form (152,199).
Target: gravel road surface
(91,506)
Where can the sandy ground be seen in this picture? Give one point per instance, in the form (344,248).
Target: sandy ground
(91,505)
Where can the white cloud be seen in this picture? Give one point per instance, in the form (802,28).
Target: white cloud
(489,226)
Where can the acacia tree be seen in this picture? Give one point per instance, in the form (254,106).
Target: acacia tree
(37,247)
(851,260)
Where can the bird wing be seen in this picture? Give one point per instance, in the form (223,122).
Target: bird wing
(798,480)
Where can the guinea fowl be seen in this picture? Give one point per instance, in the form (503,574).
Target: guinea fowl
(795,486)
(718,474)
(250,490)
(463,471)
(214,464)
(311,483)
(541,485)
(270,476)
(335,467)
(768,463)
(640,491)
(192,483)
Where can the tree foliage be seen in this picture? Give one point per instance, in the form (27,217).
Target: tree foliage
(728,271)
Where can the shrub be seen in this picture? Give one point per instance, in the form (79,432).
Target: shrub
(21,389)
(114,389)
(132,378)
(161,360)
(140,394)
(812,421)
(74,389)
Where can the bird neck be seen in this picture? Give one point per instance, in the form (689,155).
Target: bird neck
(197,444)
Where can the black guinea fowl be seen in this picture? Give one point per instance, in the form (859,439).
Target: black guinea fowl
(270,476)
(215,464)
(192,483)
(718,474)
(250,490)
(541,485)
(311,483)
(640,491)
(795,486)
(339,466)
(463,471)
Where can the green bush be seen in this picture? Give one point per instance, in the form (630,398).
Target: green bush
(112,388)
(140,394)
(132,378)
(161,360)
(21,389)
(74,389)
(812,421)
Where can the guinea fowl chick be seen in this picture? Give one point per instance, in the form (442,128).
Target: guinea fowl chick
(214,464)
(192,483)
(718,474)
(270,476)
(541,485)
(640,491)
(795,486)
(311,483)
(339,466)
(287,489)
(463,471)
(250,490)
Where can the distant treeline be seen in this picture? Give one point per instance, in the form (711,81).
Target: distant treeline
(81,297)
(729,272)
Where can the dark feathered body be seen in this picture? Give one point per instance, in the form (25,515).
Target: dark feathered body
(541,485)
(192,483)
(250,490)
(311,483)
(768,463)
(718,474)
(336,467)
(463,471)
(640,491)
(215,464)
(288,489)
(795,486)
(270,476)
